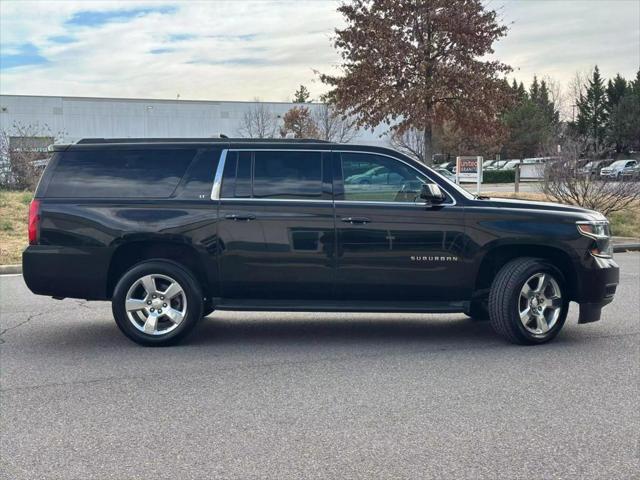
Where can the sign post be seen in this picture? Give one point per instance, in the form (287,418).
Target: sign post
(469,169)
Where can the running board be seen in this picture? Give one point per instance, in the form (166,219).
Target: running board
(338,306)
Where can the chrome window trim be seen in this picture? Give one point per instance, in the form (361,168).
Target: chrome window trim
(217,180)
(389,204)
(278,150)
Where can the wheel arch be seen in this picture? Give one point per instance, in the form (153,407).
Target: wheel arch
(131,253)
(498,256)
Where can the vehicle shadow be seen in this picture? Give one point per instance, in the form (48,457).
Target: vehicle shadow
(247,330)
(334,328)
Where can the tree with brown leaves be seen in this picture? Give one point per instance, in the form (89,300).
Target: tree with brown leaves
(416,64)
(298,122)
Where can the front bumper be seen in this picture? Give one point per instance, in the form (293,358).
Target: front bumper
(597,286)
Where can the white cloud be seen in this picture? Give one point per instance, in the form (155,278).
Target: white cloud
(241,50)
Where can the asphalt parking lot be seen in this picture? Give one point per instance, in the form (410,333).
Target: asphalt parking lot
(283,395)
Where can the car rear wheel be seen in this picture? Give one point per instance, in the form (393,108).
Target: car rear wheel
(157,303)
(527,303)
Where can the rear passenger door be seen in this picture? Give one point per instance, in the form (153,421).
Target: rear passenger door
(276,231)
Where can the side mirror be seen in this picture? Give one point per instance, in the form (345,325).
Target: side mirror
(431,193)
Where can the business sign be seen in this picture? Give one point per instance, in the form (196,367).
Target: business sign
(469,169)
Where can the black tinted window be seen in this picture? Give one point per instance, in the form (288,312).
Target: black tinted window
(372,178)
(287,175)
(198,181)
(229,175)
(119,173)
(243,175)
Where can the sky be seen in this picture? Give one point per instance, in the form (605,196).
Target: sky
(242,50)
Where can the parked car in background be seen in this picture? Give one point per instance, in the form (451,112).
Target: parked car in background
(593,167)
(631,173)
(511,164)
(616,168)
(497,165)
(487,163)
(446,174)
(450,166)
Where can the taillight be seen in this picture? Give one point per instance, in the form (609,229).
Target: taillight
(34,221)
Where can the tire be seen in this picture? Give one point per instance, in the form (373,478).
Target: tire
(182,306)
(507,299)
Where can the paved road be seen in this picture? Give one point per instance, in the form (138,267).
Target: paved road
(317,396)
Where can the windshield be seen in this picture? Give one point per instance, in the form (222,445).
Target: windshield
(619,163)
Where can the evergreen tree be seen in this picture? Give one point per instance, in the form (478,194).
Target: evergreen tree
(591,121)
(623,106)
(301,95)
(532,122)
(615,91)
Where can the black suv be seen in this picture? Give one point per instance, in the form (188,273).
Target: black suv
(170,230)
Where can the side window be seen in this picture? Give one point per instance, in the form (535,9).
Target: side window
(108,173)
(243,176)
(197,182)
(287,174)
(375,178)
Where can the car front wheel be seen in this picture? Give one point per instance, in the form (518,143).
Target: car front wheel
(527,303)
(157,303)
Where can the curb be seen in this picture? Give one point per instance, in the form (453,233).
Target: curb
(10,269)
(626,247)
(623,247)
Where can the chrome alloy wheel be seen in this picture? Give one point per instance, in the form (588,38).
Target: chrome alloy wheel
(540,303)
(156,304)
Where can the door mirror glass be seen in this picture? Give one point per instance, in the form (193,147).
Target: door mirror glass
(431,193)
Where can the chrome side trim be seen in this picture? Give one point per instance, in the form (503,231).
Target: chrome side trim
(217,180)
(304,200)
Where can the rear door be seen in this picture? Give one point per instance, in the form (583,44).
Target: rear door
(391,246)
(276,231)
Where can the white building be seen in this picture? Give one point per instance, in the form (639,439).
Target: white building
(68,119)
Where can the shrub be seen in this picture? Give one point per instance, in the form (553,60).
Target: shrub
(499,176)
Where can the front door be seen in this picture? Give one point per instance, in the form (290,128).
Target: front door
(276,231)
(391,246)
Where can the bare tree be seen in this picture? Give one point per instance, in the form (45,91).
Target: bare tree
(20,150)
(333,126)
(577,88)
(565,183)
(558,97)
(259,122)
(409,142)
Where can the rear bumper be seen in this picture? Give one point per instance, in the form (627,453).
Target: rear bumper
(66,272)
(596,288)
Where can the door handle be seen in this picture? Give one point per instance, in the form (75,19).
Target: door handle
(356,220)
(240,218)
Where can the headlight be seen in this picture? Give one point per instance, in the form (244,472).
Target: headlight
(598,230)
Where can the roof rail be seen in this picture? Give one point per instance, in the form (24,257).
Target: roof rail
(199,140)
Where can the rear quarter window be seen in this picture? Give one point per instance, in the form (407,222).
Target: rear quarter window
(152,173)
